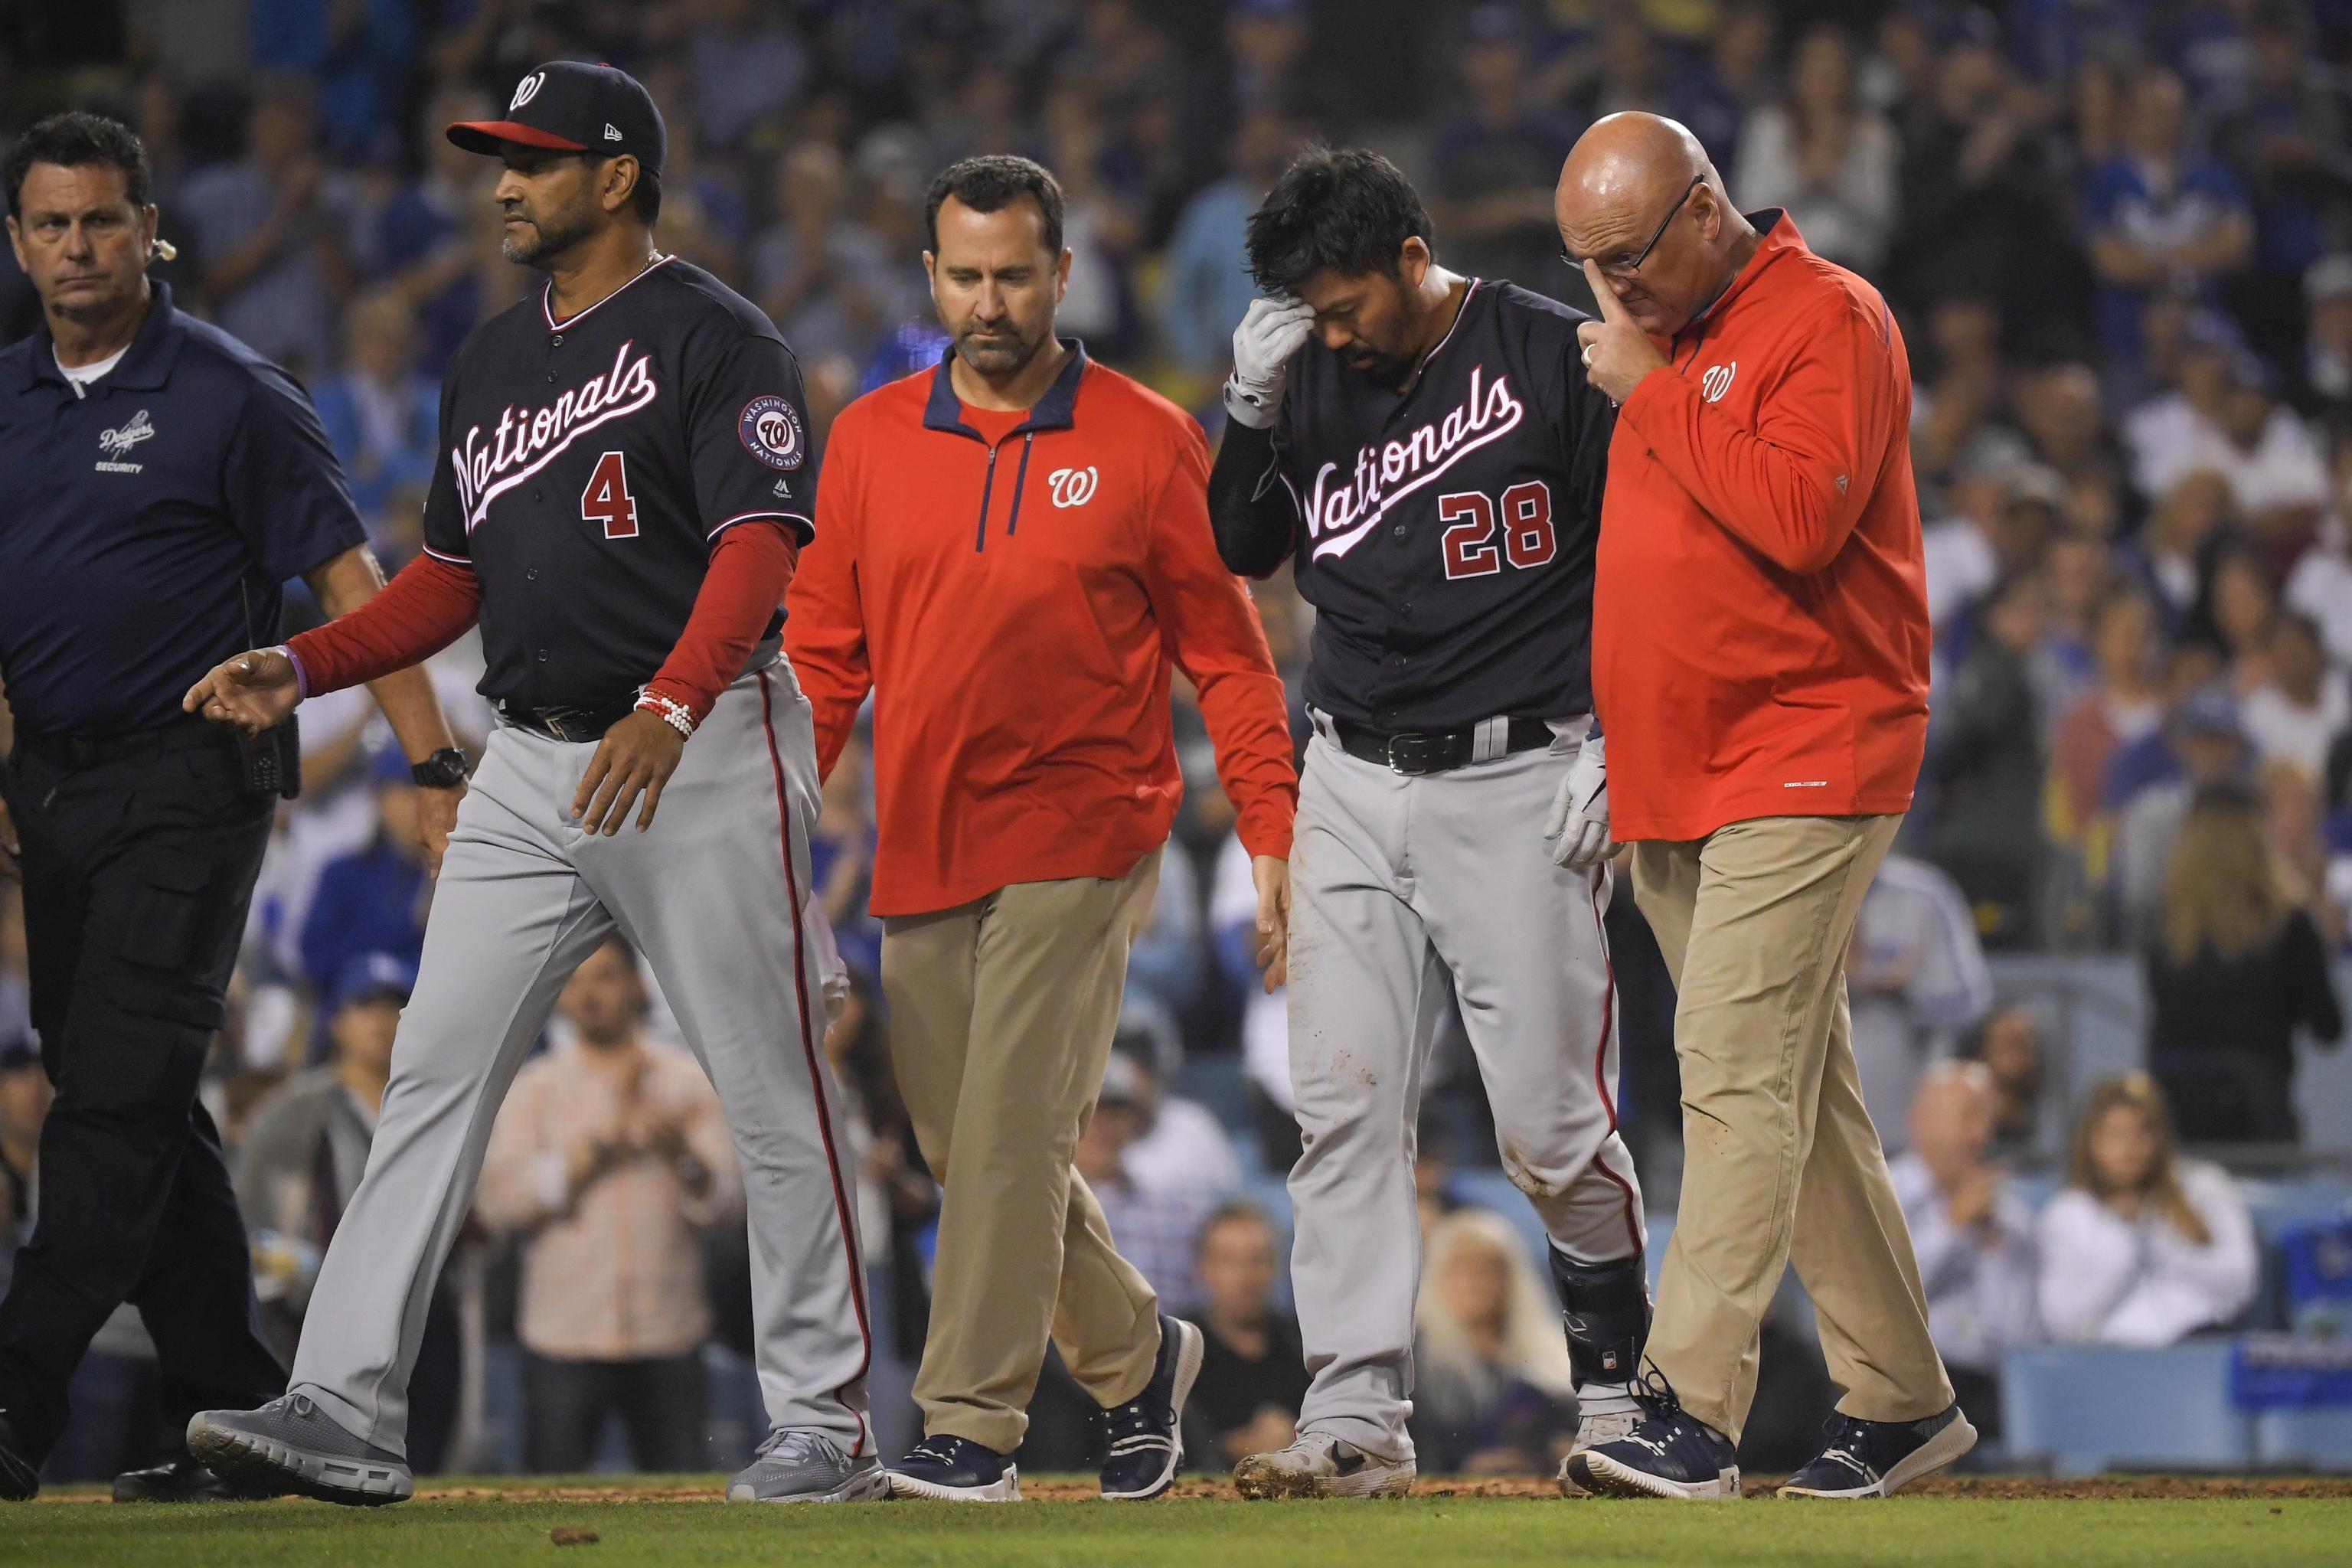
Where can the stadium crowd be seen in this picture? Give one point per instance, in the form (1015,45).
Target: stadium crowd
(2118,234)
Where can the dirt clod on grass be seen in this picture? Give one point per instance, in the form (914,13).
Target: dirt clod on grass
(574,1535)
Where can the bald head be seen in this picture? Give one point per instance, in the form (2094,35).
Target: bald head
(1952,1117)
(1638,196)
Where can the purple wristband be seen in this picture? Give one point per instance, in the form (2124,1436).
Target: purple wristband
(302,675)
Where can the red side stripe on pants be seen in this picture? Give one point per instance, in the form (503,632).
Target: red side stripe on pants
(1600,1060)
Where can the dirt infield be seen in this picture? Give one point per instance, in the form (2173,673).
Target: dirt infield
(1077,1490)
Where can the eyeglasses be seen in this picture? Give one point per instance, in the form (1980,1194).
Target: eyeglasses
(1625,270)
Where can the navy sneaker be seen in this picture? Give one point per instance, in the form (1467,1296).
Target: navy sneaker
(956,1469)
(182,1479)
(1143,1439)
(1672,1454)
(1878,1458)
(20,1477)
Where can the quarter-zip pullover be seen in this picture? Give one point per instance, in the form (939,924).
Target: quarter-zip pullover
(1017,589)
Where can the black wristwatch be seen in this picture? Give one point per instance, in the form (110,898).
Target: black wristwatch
(444,768)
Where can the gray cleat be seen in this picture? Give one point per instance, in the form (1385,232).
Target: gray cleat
(807,1466)
(291,1444)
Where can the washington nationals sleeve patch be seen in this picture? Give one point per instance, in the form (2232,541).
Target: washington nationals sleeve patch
(771,428)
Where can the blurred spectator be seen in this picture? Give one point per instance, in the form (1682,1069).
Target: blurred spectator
(1180,1148)
(2320,585)
(357,52)
(2303,704)
(2178,536)
(1824,156)
(2143,1246)
(1719,93)
(272,229)
(2080,568)
(2238,966)
(426,237)
(608,1159)
(1973,1236)
(1493,1393)
(2161,214)
(1497,162)
(382,414)
(2233,614)
(300,1160)
(2201,743)
(25,1096)
(2324,385)
(1204,288)
(1152,1230)
(747,62)
(1980,211)
(841,858)
(2002,508)
(2275,473)
(896,1199)
(822,277)
(1253,1369)
(2284,134)
(1915,977)
(2007,1042)
(1986,833)
(1167,966)
(375,899)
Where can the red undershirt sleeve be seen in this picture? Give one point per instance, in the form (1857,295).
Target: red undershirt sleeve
(750,567)
(424,609)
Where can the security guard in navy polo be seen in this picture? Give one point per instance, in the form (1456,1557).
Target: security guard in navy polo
(161,481)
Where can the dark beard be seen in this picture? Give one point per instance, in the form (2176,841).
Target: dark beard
(1022,351)
(548,241)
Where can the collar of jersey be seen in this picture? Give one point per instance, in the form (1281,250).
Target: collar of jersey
(1780,236)
(145,366)
(547,297)
(1058,410)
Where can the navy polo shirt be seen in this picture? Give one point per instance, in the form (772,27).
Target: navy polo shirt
(146,527)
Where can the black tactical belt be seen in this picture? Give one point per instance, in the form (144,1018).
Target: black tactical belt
(1432,751)
(573,724)
(193,734)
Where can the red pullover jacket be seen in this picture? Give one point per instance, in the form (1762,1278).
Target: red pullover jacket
(1015,590)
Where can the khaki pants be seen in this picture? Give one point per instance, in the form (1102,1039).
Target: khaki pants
(1780,1163)
(1002,1013)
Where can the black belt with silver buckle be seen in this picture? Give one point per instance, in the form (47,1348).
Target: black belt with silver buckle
(577,724)
(1432,751)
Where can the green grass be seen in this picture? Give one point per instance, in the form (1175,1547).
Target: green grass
(1419,1533)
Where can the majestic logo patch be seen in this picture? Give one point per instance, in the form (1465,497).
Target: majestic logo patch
(1072,487)
(771,428)
(526,440)
(612,132)
(118,442)
(526,90)
(1718,379)
(1339,519)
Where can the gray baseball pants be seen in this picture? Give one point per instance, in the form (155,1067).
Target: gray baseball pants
(1400,886)
(711,896)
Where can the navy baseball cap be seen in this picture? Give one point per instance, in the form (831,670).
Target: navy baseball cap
(568,106)
(369,975)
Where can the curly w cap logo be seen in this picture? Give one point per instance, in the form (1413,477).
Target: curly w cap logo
(1718,379)
(1072,487)
(526,90)
(114,443)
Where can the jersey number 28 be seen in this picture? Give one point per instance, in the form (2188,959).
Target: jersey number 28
(1469,542)
(607,498)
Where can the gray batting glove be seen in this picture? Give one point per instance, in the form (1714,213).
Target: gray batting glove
(1578,827)
(1271,331)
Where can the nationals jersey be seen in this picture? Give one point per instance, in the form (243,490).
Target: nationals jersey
(588,464)
(1445,532)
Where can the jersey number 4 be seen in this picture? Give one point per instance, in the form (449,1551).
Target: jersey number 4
(607,498)
(1469,542)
